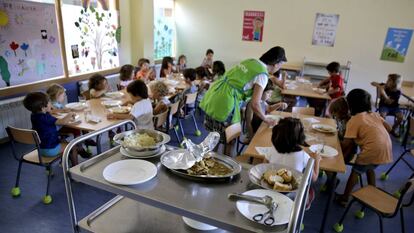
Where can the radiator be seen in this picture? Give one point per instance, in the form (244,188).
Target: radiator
(13,113)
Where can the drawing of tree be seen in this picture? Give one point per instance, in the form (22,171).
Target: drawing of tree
(97,32)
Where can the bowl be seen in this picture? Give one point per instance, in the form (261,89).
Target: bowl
(159,137)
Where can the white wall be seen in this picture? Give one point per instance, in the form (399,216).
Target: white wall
(362,28)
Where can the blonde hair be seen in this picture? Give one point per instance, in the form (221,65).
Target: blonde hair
(54,90)
(160,87)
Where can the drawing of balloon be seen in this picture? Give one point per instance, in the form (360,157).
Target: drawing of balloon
(4,19)
(14,46)
(93,62)
(24,47)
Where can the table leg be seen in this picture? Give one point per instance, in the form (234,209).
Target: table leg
(98,144)
(331,189)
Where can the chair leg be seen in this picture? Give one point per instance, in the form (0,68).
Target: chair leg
(15,192)
(402,220)
(176,135)
(47,199)
(339,227)
(361,182)
(381,225)
(384,176)
(181,128)
(197,132)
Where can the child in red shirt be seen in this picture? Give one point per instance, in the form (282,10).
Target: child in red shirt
(334,84)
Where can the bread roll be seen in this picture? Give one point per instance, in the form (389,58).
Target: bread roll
(282,187)
(270,176)
(285,174)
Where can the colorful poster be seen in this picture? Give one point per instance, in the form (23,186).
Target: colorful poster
(324,32)
(396,44)
(253,23)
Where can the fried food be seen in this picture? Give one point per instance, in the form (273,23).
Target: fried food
(209,166)
(281,180)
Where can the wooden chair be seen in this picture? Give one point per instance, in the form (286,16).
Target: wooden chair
(30,137)
(173,112)
(160,120)
(382,203)
(86,95)
(303,111)
(232,133)
(406,140)
(189,112)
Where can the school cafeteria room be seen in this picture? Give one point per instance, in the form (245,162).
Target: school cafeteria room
(190,116)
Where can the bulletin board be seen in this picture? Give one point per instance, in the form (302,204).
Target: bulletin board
(29,44)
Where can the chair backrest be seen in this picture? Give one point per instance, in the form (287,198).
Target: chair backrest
(160,119)
(23,136)
(190,98)
(232,132)
(407,83)
(174,108)
(304,111)
(406,189)
(409,133)
(377,97)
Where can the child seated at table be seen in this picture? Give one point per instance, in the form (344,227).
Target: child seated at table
(334,86)
(57,95)
(190,77)
(45,125)
(167,67)
(141,112)
(159,91)
(126,75)
(369,131)
(278,80)
(208,59)
(390,93)
(145,72)
(218,70)
(181,64)
(204,84)
(288,138)
(98,86)
(255,120)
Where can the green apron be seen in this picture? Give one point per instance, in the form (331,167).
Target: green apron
(223,98)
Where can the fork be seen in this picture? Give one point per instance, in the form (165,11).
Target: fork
(323,148)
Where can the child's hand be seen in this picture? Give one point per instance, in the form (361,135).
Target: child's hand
(270,122)
(69,117)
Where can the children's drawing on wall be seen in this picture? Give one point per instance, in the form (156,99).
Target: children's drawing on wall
(26,52)
(94,25)
(396,44)
(75,51)
(253,23)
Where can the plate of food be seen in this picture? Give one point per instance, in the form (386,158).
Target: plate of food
(115,94)
(323,128)
(142,139)
(276,177)
(276,118)
(120,109)
(319,90)
(76,106)
(324,150)
(111,103)
(212,167)
(143,154)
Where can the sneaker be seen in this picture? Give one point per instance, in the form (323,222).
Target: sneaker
(311,197)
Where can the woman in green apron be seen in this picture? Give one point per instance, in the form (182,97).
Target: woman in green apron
(221,103)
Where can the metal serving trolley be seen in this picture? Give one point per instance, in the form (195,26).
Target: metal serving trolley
(157,205)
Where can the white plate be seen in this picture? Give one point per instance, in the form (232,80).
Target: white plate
(198,225)
(328,151)
(324,128)
(148,154)
(115,94)
(76,106)
(111,103)
(282,213)
(129,172)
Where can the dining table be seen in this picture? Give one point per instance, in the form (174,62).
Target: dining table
(334,165)
(302,86)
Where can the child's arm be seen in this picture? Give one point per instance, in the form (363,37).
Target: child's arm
(324,82)
(70,116)
(348,148)
(278,106)
(333,90)
(317,157)
(161,107)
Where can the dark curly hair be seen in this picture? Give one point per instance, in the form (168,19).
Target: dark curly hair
(288,135)
(35,101)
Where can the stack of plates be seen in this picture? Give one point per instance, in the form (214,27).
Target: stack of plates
(149,153)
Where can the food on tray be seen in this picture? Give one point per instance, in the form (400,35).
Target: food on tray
(209,166)
(281,180)
(120,109)
(323,128)
(139,140)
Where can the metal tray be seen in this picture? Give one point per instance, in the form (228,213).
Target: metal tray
(160,138)
(228,161)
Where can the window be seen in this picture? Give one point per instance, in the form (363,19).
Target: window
(164,29)
(92,34)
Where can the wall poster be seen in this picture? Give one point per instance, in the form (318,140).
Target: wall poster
(324,32)
(253,22)
(396,44)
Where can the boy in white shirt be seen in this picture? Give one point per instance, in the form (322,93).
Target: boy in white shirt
(141,111)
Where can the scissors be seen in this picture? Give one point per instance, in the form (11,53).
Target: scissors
(267,217)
